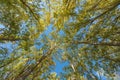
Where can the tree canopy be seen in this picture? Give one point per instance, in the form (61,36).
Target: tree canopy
(83,33)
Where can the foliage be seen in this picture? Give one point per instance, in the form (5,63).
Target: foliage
(85,33)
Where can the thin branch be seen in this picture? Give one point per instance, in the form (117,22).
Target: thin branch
(96,43)
(31,11)
(117,60)
(111,8)
(94,6)
(90,21)
(11,39)
(10,61)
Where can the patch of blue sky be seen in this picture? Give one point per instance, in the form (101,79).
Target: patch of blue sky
(1,28)
(118,6)
(23,29)
(99,74)
(81,34)
(40,13)
(100,39)
(9,46)
(38,43)
(49,29)
(61,33)
(59,66)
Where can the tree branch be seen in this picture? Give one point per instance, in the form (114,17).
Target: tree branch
(94,6)
(117,60)
(10,61)
(25,74)
(31,11)
(96,43)
(111,8)
(12,38)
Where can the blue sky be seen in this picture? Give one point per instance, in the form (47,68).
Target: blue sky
(58,68)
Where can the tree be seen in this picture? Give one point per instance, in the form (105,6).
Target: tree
(85,33)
